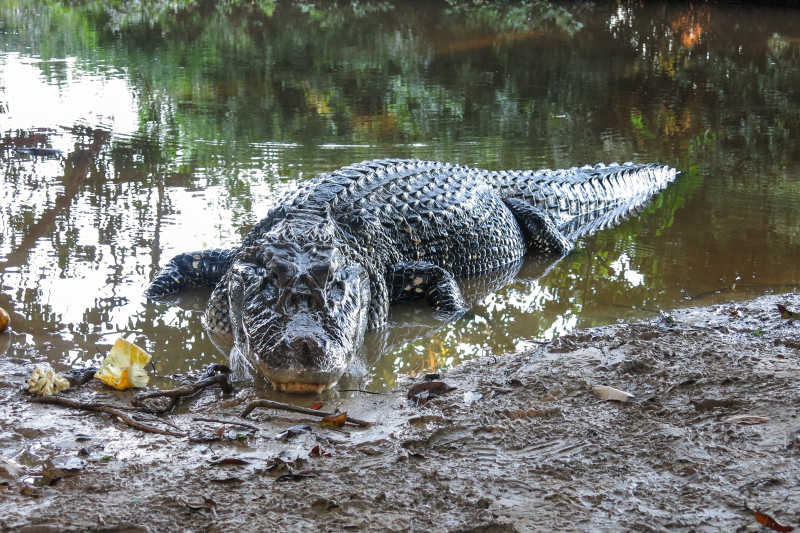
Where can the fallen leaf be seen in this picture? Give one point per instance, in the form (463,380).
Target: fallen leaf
(786,314)
(746,419)
(316,451)
(767,520)
(334,421)
(317,405)
(605,392)
(422,392)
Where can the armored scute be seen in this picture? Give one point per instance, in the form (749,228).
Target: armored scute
(327,261)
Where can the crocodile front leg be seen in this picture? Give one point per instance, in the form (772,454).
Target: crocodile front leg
(541,234)
(200,269)
(217,318)
(421,279)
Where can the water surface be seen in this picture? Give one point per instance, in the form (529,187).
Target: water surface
(179,125)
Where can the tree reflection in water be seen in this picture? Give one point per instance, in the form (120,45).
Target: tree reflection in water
(181,122)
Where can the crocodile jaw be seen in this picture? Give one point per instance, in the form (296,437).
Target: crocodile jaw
(296,381)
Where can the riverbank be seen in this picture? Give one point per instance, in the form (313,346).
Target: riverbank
(522,444)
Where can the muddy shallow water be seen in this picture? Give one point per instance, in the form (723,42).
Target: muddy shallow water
(522,444)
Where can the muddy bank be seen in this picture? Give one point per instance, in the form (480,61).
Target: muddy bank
(523,444)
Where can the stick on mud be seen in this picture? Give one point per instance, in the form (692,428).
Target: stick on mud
(269,404)
(176,394)
(105,408)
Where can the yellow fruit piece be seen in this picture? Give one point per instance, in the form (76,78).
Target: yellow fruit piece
(123,367)
(4,320)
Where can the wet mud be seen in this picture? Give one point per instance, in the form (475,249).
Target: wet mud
(522,444)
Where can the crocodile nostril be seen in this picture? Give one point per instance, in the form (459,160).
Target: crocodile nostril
(305,350)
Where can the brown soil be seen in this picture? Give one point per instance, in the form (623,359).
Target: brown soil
(523,444)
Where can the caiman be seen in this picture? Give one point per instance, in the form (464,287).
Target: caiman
(330,257)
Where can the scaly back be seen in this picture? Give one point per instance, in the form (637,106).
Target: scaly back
(582,200)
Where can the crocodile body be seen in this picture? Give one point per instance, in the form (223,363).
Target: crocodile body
(327,261)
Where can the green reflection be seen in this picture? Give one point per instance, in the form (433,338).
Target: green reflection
(233,101)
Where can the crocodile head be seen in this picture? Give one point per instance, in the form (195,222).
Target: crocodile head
(298,307)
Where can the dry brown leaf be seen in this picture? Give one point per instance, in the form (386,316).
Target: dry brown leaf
(316,451)
(786,314)
(767,520)
(422,392)
(334,421)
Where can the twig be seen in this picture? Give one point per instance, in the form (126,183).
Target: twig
(180,392)
(231,422)
(361,390)
(269,404)
(104,408)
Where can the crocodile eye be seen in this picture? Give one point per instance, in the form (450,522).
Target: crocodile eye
(269,287)
(245,271)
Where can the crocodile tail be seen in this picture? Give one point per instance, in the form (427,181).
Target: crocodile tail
(582,200)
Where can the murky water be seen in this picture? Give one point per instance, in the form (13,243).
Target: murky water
(177,127)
